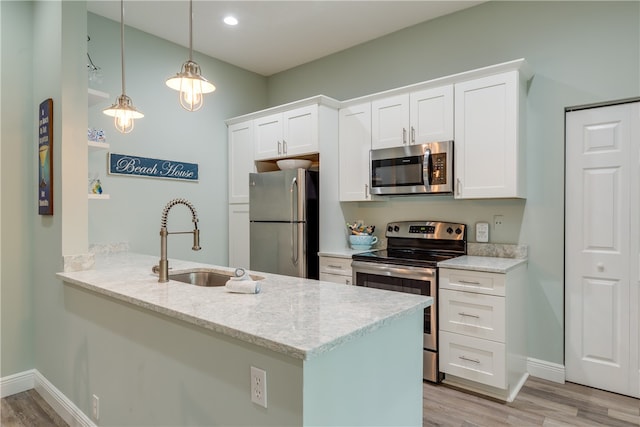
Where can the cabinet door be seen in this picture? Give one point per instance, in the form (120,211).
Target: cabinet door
(354,145)
(487,152)
(268,137)
(431,115)
(240,161)
(300,134)
(390,122)
(239,235)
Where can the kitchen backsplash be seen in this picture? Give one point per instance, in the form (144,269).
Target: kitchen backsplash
(498,250)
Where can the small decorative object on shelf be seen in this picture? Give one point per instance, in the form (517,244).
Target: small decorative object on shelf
(95,186)
(96,135)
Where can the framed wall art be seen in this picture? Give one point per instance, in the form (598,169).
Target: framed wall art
(45,153)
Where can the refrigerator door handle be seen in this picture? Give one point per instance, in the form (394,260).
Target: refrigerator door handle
(294,224)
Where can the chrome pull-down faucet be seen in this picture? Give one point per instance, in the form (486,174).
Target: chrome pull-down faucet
(163,266)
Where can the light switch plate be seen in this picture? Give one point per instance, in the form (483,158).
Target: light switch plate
(482,232)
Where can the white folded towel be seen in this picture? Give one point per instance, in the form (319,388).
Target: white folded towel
(242,286)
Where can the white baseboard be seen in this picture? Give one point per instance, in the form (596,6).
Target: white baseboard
(17,383)
(64,407)
(546,370)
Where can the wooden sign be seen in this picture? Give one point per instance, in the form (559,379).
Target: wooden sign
(45,153)
(121,164)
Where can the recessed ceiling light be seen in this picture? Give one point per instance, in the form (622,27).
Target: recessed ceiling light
(230,20)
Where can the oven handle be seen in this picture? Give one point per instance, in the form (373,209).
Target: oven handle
(403,272)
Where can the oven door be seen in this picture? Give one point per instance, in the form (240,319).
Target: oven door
(413,280)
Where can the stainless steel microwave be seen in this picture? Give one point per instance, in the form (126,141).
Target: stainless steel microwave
(413,169)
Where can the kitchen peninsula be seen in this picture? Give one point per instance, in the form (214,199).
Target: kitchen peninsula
(333,354)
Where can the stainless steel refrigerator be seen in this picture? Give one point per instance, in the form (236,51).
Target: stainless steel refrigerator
(284,222)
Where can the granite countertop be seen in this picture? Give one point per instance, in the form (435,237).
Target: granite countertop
(482,263)
(301,318)
(344,252)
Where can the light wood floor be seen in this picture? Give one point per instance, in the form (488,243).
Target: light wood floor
(539,403)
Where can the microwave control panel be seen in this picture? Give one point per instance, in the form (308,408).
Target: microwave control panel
(438,169)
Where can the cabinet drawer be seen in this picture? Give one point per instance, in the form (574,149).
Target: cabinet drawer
(335,265)
(336,278)
(472,281)
(473,359)
(472,314)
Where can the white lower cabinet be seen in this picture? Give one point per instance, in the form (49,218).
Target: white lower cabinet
(483,330)
(336,270)
(239,235)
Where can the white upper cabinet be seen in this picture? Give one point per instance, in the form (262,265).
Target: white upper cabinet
(431,113)
(240,161)
(268,136)
(413,118)
(390,121)
(287,134)
(354,145)
(489,135)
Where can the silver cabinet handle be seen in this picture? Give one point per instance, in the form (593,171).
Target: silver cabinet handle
(469,282)
(458,185)
(404,135)
(284,147)
(294,224)
(366,191)
(339,267)
(469,360)
(413,135)
(279,148)
(468,315)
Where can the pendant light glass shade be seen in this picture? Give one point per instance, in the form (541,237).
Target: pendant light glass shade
(123,110)
(189,82)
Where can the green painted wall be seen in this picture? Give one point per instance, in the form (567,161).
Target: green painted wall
(18,203)
(166,132)
(581,52)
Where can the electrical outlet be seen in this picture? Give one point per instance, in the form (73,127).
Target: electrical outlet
(259,386)
(498,220)
(95,407)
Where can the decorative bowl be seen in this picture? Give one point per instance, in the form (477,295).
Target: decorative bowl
(293,164)
(362,241)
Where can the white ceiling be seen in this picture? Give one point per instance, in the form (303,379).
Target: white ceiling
(273,36)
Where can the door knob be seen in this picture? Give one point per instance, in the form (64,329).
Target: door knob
(600,266)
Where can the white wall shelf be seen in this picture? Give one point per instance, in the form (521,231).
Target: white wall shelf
(96,96)
(93,145)
(99,196)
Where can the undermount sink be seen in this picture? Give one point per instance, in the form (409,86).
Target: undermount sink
(204,277)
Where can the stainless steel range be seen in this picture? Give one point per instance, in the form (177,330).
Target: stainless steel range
(409,264)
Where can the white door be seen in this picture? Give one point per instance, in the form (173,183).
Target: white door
(354,145)
(431,115)
(240,161)
(601,248)
(300,134)
(390,122)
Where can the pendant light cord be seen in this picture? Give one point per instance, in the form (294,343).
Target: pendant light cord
(122,42)
(190,30)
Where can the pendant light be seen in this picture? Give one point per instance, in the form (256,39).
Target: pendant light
(191,85)
(123,110)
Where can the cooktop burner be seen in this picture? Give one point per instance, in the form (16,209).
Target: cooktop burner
(419,243)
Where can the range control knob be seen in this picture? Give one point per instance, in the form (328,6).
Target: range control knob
(458,231)
(389,229)
(449,230)
(396,228)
